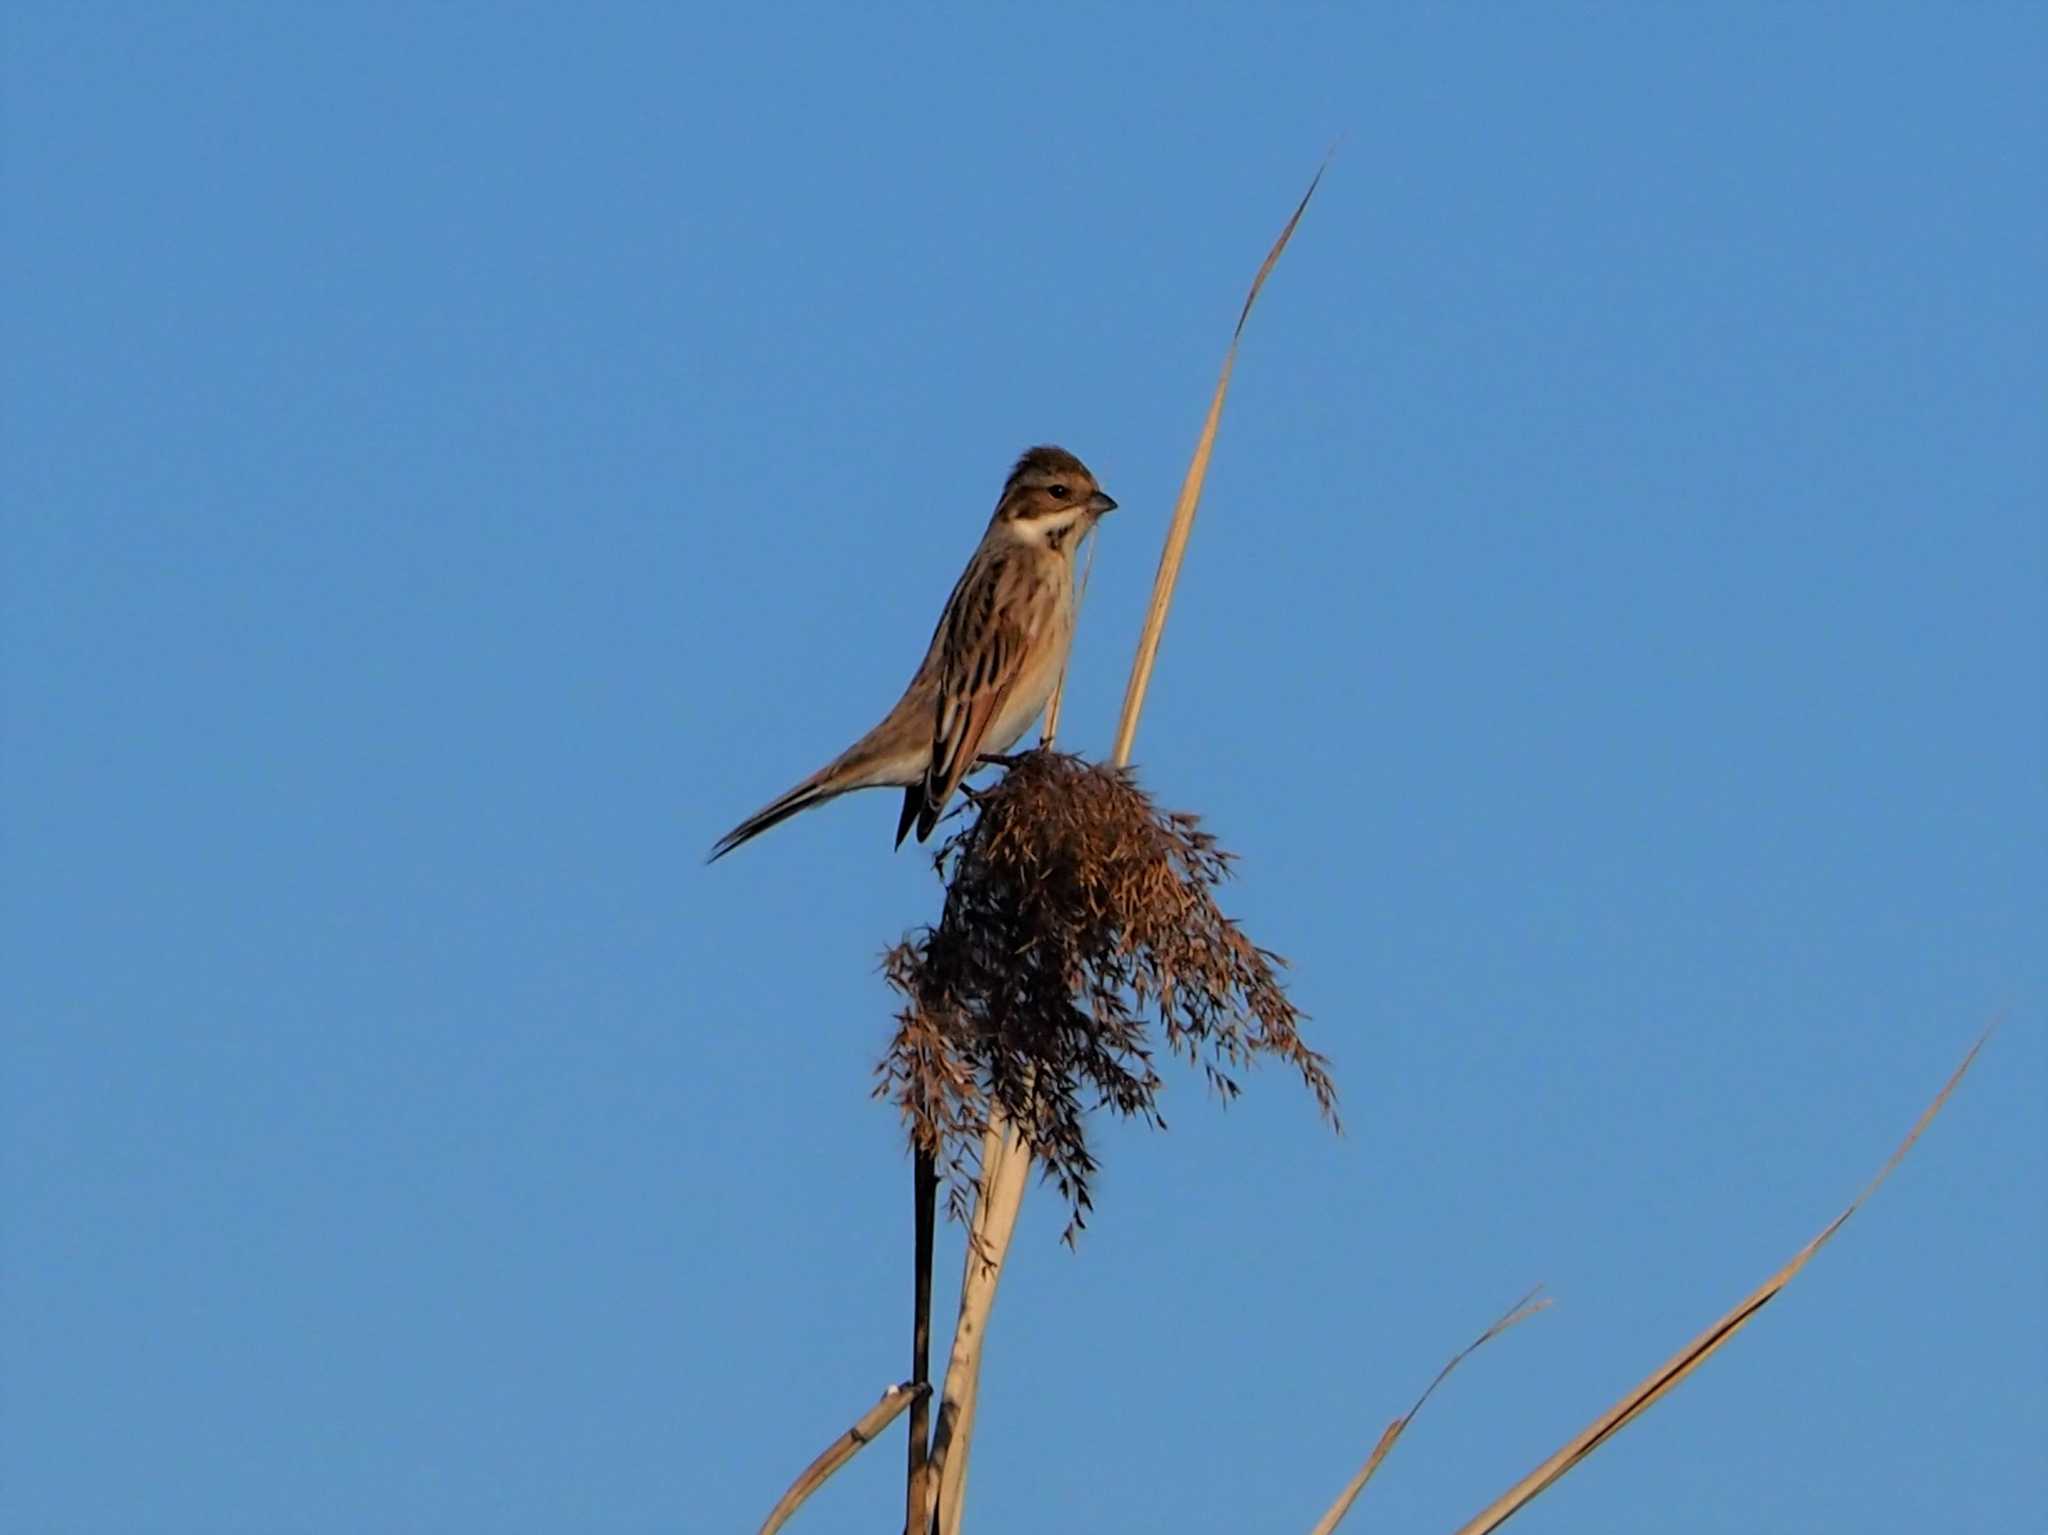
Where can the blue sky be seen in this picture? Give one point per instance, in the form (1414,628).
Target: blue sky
(458,460)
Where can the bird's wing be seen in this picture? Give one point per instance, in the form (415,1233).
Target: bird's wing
(984,647)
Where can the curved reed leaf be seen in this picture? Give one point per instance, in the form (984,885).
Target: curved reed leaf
(1696,1353)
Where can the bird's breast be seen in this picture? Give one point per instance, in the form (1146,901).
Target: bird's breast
(1046,656)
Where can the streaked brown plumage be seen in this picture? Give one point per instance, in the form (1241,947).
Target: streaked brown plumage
(993,660)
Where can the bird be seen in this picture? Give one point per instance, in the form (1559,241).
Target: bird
(993,662)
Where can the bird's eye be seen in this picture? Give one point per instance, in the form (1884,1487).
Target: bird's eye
(1058,492)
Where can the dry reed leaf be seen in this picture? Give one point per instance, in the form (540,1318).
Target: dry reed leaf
(841,1450)
(1697,1352)
(1520,1311)
(1190,495)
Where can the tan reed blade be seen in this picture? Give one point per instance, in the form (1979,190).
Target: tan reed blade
(1697,1352)
(1190,495)
(1520,1311)
(841,1450)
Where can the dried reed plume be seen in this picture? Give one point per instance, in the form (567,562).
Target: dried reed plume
(1076,912)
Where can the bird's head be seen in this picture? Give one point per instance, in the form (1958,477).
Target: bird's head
(1049,496)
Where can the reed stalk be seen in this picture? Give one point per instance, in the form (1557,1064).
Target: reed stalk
(1005,1155)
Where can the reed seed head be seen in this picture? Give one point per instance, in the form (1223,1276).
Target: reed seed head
(1080,933)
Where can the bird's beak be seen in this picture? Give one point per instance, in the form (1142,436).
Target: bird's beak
(1099,503)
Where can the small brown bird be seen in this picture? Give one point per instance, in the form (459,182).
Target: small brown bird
(993,662)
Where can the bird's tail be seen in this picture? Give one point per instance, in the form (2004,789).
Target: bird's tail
(814,790)
(867,764)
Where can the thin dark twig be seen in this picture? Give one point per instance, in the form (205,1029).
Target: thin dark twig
(925,1194)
